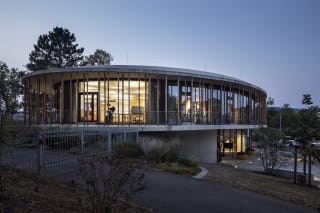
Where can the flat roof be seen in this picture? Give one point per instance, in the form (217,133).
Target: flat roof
(147,69)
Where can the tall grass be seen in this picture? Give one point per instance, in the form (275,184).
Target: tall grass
(163,152)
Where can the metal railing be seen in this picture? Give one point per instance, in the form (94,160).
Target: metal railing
(55,148)
(169,117)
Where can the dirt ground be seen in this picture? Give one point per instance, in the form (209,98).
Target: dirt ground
(27,192)
(266,184)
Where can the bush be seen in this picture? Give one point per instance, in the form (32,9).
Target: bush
(172,154)
(156,154)
(110,183)
(163,152)
(129,150)
(178,168)
(18,133)
(63,141)
(189,162)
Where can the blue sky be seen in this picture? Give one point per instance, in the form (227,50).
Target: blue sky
(273,44)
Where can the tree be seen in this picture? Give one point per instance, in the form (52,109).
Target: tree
(10,89)
(308,121)
(55,49)
(109,182)
(270,101)
(266,135)
(268,147)
(289,119)
(308,125)
(307,100)
(272,114)
(99,57)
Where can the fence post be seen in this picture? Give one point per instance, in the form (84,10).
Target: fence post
(109,145)
(82,142)
(40,151)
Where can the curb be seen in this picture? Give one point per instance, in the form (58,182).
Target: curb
(201,174)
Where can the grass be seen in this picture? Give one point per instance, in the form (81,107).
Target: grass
(177,168)
(182,166)
(22,191)
(277,187)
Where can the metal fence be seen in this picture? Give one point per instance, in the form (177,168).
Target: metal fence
(58,149)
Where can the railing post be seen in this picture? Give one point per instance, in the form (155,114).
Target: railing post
(82,142)
(40,152)
(109,145)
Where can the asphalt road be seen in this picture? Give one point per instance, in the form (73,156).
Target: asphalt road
(176,193)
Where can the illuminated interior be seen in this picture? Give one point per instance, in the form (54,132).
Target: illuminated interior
(237,138)
(132,98)
(112,101)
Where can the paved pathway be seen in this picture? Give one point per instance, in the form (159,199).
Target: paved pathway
(176,193)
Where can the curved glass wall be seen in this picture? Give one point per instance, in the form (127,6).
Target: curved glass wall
(111,98)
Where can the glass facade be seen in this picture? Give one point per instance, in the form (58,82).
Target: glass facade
(124,98)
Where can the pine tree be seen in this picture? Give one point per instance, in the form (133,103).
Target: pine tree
(54,50)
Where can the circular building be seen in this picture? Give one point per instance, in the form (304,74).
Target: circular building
(155,99)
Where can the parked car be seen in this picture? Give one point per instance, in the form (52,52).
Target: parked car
(315,144)
(293,143)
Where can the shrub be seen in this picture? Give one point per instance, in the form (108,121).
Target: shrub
(164,152)
(63,141)
(129,149)
(172,155)
(179,168)
(109,184)
(156,154)
(189,162)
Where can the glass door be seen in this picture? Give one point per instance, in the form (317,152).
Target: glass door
(88,107)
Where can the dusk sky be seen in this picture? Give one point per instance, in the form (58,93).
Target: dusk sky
(274,44)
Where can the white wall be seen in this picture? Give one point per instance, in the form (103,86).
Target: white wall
(201,145)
